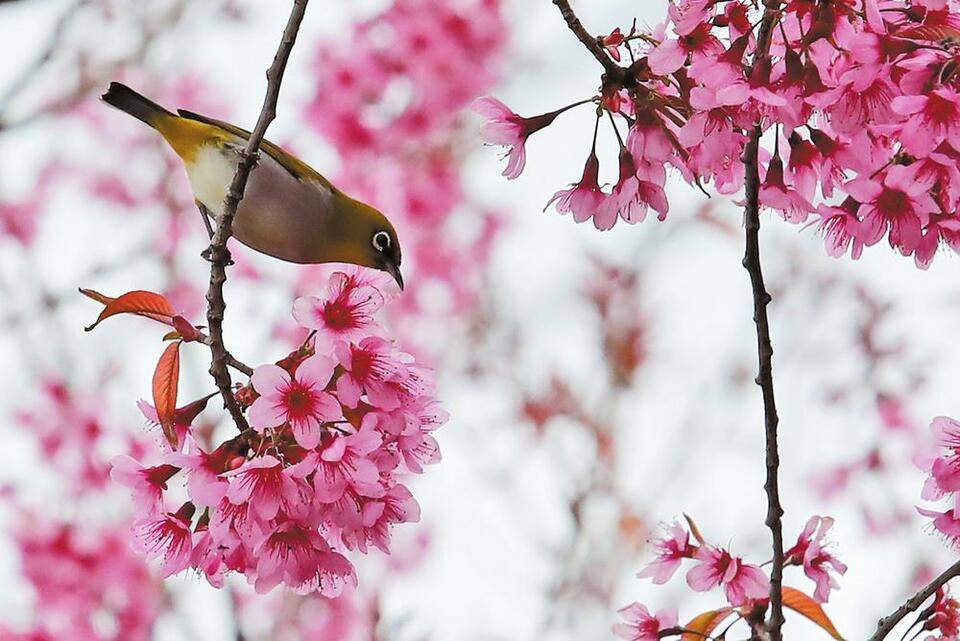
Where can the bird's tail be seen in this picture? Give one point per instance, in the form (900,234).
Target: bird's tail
(140,107)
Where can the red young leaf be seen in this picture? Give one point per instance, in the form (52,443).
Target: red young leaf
(139,302)
(186,329)
(700,626)
(802,604)
(165,381)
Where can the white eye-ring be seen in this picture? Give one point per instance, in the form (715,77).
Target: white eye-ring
(381,241)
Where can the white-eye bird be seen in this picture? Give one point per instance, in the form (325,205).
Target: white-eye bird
(288,211)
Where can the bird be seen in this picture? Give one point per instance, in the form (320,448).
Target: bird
(289,210)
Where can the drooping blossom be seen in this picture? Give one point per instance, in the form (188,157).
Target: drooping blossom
(299,557)
(147,483)
(775,193)
(581,199)
(717,567)
(507,129)
(931,119)
(343,463)
(670,550)
(944,478)
(367,368)
(167,537)
(637,189)
(640,625)
(899,206)
(945,523)
(205,484)
(812,552)
(266,486)
(840,227)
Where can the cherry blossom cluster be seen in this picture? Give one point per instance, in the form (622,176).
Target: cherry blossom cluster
(943,480)
(395,121)
(333,428)
(857,100)
(714,567)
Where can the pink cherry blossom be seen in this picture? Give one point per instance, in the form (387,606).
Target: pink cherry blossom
(505,128)
(632,194)
(582,199)
(811,551)
(670,55)
(932,119)
(670,550)
(899,206)
(945,470)
(147,483)
(774,193)
(299,400)
(299,557)
(945,619)
(640,625)
(264,485)
(343,463)
(840,226)
(946,523)
(612,43)
(741,581)
(415,443)
(166,537)
(344,313)
(209,556)
(378,515)
(84,573)
(367,367)
(205,485)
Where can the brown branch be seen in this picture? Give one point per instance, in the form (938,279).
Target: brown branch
(888,623)
(233,362)
(592,43)
(761,298)
(217,253)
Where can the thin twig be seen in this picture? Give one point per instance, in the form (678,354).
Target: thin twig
(613,70)
(217,253)
(761,298)
(888,623)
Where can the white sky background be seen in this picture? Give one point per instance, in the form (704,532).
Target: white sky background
(495,507)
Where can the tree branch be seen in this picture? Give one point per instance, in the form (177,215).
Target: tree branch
(888,623)
(592,44)
(217,253)
(761,298)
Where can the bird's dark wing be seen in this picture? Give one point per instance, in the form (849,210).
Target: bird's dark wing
(297,168)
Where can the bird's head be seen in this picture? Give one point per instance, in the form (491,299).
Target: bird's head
(364,236)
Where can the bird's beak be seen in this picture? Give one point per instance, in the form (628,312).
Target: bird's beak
(394,271)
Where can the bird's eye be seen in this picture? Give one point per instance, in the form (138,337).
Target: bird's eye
(381,241)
